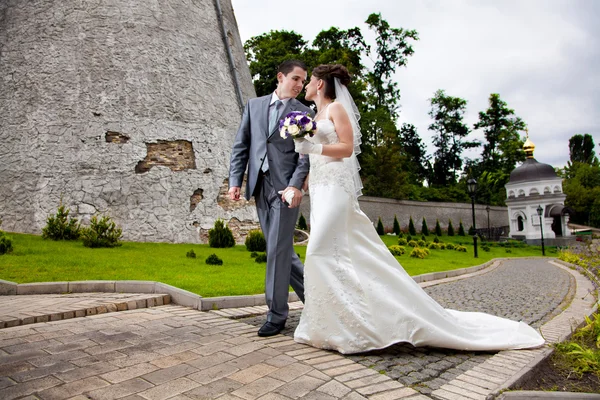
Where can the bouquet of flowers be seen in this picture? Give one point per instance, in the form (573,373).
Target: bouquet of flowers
(297,124)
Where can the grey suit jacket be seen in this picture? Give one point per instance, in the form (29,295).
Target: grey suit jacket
(253,143)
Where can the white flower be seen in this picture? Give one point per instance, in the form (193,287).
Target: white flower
(293,129)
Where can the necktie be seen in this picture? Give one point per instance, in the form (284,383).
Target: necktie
(273,121)
(274,115)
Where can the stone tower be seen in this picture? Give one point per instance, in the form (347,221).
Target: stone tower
(126,108)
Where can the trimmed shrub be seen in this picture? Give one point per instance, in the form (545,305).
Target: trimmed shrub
(409,238)
(254,254)
(255,241)
(485,247)
(442,246)
(5,243)
(396,228)
(190,254)
(401,234)
(261,258)
(471,231)
(460,248)
(402,242)
(213,259)
(60,227)
(424,228)
(508,250)
(419,252)
(436,239)
(422,243)
(438,228)
(423,238)
(413,243)
(461,229)
(101,233)
(302,223)
(397,250)
(450,246)
(220,236)
(411,227)
(380,230)
(450,228)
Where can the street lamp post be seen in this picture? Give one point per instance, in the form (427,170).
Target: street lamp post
(540,210)
(487,208)
(472,189)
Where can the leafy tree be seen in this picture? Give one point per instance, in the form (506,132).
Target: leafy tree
(581,149)
(380,229)
(503,147)
(583,191)
(413,147)
(396,227)
(265,52)
(384,174)
(450,228)
(447,113)
(438,228)
(424,228)
(411,227)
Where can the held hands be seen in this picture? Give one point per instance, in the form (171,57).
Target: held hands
(234,193)
(292,196)
(303,146)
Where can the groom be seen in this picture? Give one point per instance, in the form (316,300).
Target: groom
(273,166)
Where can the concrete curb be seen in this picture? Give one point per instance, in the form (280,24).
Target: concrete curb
(537,395)
(189,299)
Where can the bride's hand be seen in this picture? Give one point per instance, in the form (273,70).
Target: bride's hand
(303,146)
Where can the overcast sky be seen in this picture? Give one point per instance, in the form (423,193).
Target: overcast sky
(541,56)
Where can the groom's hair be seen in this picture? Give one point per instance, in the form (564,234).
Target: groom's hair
(288,66)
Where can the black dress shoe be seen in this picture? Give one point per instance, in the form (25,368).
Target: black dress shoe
(270,329)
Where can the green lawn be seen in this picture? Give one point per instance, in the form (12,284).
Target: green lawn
(37,260)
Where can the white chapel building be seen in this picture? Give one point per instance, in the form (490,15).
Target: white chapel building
(533,185)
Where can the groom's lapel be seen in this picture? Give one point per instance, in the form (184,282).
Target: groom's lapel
(289,106)
(265,110)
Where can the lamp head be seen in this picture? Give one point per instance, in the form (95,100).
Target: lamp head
(471,186)
(540,210)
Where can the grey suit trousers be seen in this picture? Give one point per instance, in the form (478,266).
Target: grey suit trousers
(278,222)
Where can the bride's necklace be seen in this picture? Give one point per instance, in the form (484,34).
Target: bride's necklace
(323,109)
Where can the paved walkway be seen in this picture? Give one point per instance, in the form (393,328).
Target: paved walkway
(172,351)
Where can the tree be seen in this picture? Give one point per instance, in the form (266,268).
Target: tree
(396,228)
(461,229)
(438,228)
(503,147)
(447,113)
(581,149)
(424,228)
(265,52)
(450,228)
(413,147)
(583,191)
(411,227)
(380,229)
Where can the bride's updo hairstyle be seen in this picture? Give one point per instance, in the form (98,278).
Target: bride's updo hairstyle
(328,72)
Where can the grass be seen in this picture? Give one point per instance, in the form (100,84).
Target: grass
(37,260)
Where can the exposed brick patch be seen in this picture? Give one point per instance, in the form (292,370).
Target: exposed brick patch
(177,155)
(195,199)
(116,137)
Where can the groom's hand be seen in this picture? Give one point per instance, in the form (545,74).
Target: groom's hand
(234,193)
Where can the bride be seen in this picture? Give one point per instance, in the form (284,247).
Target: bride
(357,296)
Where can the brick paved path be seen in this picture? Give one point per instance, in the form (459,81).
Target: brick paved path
(531,291)
(181,353)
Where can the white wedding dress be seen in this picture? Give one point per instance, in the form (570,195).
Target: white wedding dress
(359,298)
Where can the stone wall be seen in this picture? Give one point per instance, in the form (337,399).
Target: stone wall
(375,208)
(126,108)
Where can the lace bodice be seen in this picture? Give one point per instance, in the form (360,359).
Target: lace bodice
(325,170)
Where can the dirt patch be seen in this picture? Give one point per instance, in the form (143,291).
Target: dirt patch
(551,375)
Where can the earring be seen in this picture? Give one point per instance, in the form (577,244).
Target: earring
(318,92)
